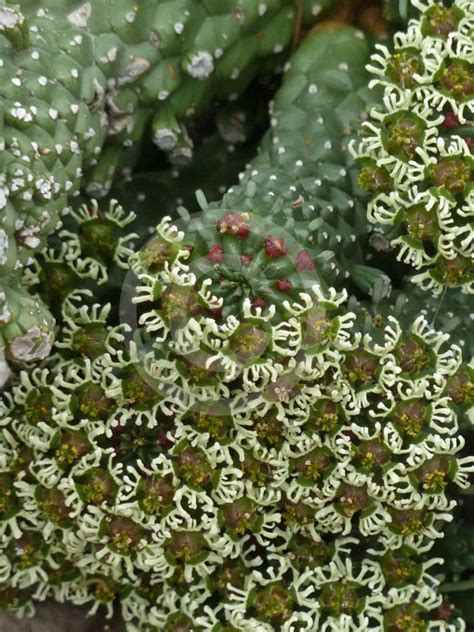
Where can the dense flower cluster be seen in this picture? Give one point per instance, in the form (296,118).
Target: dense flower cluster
(232,472)
(237,444)
(416,149)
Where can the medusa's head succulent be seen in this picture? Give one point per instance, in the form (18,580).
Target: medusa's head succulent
(243,459)
(415,152)
(246,453)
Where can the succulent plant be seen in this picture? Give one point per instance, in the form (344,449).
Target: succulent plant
(230,460)
(238,424)
(416,149)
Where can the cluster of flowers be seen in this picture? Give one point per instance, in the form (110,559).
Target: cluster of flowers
(94,242)
(271,469)
(416,149)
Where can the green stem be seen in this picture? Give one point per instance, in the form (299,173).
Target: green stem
(457,586)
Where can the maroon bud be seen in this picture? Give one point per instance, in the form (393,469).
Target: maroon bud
(215,254)
(246,259)
(304,261)
(163,439)
(450,120)
(275,247)
(234,224)
(445,611)
(215,313)
(283,285)
(259,302)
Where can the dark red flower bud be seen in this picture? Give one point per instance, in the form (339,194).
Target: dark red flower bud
(450,120)
(259,302)
(246,259)
(215,313)
(304,261)
(234,224)
(283,285)
(215,254)
(163,439)
(445,611)
(275,247)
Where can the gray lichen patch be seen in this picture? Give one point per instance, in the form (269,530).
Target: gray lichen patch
(80,16)
(35,344)
(10,18)
(201,65)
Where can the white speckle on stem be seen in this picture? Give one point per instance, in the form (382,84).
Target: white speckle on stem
(21,114)
(80,16)
(3,247)
(137,66)
(9,18)
(165,139)
(201,65)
